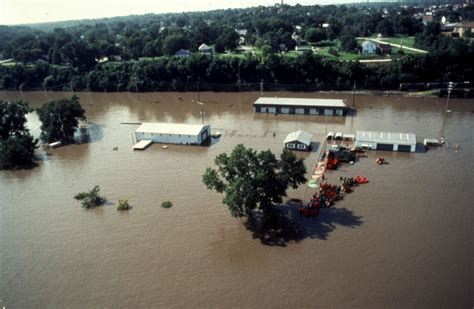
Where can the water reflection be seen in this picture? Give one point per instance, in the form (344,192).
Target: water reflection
(290,227)
(198,248)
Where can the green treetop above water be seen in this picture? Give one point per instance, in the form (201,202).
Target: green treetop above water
(254,181)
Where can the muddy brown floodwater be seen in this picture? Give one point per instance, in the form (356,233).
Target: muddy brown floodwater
(405,240)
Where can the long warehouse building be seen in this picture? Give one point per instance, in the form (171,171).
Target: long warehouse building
(299,106)
(174,133)
(405,142)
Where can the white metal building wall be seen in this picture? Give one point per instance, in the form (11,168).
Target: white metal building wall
(168,138)
(313,111)
(373,145)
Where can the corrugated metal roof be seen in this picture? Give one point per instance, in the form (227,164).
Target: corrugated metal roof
(170,128)
(300,102)
(386,137)
(300,136)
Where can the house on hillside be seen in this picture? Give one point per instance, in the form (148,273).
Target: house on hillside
(302,48)
(384,49)
(183,53)
(368,47)
(298,39)
(205,49)
(463,27)
(242,33)
(427,19)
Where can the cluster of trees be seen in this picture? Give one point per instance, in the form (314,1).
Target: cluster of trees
(173,74)
(60,119)
(17,145)
(53,58)
(91,198)
(254,182)
(80,44)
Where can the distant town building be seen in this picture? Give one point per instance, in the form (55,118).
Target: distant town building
(463,27)
(299,106)
(299,140)
(242,33)
(298,39)
(427,19)
(205,49)
(102,59)
(183,53)
(302,48)
(369,47)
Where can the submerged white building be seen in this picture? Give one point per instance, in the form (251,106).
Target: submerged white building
(386,141)
(173,133)
(300,106)
(299,140)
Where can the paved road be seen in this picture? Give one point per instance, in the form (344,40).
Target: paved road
(397,45)
(374,60)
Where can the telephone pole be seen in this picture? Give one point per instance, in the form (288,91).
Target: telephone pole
(450,88)
(353,94)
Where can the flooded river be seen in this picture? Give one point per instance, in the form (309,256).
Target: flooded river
(405,240)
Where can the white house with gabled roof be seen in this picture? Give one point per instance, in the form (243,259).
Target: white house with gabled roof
(369,47)
(205,49)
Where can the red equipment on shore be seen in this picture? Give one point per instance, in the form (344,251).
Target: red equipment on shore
(331,164)
(361,180)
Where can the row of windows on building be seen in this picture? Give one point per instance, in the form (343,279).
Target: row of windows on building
(295,146)
(300,111)
(179,135)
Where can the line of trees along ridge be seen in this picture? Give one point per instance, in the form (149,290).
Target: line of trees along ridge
(68,58)
(173,74)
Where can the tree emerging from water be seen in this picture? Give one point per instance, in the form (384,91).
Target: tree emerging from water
(254,182)
(91,199)
(17,145)
(60,119)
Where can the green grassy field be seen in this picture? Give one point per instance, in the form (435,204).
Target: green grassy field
(408,41)
(9,63)
(235,55)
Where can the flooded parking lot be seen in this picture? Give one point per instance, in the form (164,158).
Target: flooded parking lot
(403,240)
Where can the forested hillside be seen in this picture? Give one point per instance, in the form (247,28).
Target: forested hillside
(136,53)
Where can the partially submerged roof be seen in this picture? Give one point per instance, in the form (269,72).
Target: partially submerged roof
(170,128)
(300,102)
(300,136)
(386,137)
